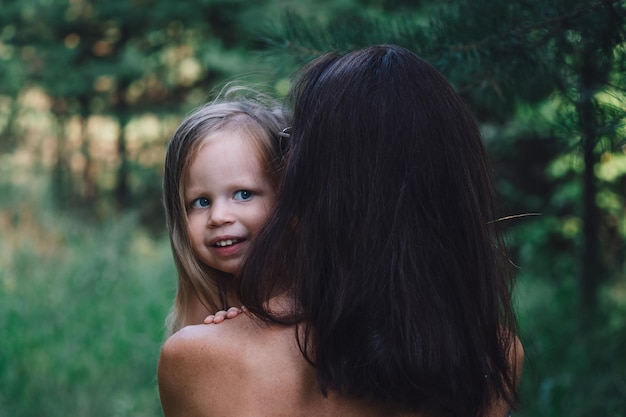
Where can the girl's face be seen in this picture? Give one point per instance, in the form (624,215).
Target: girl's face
(228,196)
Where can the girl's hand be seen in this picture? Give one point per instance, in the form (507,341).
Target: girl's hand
(222,315)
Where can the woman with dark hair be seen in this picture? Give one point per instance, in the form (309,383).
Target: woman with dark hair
(379,286)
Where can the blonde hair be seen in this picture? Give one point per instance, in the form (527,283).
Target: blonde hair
(259,121)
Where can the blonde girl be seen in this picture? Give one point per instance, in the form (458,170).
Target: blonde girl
(221,175)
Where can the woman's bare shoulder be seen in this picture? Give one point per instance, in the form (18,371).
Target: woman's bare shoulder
(196,364)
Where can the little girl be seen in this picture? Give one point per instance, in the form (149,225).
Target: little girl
(221,177)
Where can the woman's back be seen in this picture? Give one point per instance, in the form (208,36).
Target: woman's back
(244,367)
(386,234)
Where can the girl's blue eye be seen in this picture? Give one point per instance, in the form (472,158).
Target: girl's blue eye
(200,202)
(243,195)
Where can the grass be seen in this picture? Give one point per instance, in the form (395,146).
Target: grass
(81,316)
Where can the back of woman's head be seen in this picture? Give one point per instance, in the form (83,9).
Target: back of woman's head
(260,122)
(384,234)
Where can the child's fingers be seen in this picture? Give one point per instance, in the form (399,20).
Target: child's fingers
(222,315)
(216,318)
(232,312)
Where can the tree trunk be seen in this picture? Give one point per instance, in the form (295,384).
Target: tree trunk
(122,191)
(591,269)
(122,196)
(61,179)
(89,188)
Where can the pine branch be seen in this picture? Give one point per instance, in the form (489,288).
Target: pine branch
(558,21)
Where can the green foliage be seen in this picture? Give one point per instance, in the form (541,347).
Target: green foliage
(81,315)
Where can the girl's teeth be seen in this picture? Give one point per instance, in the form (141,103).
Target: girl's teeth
(226,242)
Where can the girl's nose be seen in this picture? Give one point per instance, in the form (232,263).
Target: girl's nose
(219,214)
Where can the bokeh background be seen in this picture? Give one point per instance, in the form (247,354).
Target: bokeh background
(91,90)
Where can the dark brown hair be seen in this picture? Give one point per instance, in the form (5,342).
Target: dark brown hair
(384,237)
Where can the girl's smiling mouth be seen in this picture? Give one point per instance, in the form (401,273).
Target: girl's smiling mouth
(226,242)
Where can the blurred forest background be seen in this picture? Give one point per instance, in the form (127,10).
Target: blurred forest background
(91,90)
